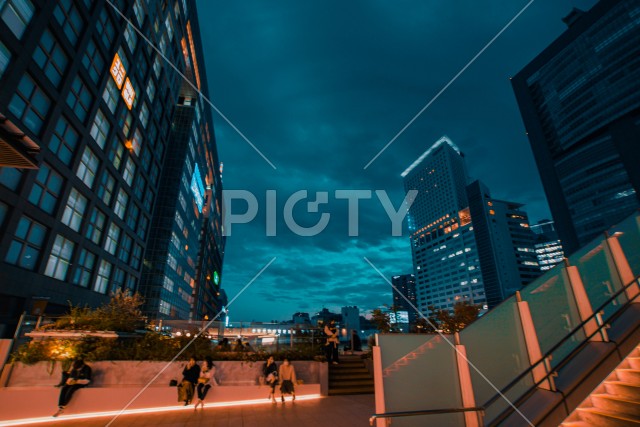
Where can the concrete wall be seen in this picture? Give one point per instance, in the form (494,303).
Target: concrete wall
(133,373)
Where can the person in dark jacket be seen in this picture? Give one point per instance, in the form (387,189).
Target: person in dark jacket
(190,375)
(270,372)
(77,377)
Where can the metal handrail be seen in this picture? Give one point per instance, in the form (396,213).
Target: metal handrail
(423,412)
(578,328)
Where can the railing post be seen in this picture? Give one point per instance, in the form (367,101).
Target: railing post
(378,385)
(533,345)
(622,265)
(471,419)
(585,310)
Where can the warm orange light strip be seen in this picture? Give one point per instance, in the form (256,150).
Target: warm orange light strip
(89,415)
(193,54)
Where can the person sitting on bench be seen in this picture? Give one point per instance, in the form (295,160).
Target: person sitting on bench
(77,377)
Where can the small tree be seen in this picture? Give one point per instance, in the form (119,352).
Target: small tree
(464,313)
(381,320)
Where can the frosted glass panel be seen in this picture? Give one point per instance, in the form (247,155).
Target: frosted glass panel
(628,233)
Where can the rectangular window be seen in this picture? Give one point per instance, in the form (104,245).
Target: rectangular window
(110,95)
(30,104)
(131,282)
(59,259)
(140,185)
(136,142)
(132,38)
(67,15)
(124,120)
(151,90)
(142,226)
(136,256)
(64,141)
(50,57)
(74,210)
(156,66)
(93,61)
(117,281)
(84,269)
(111,242)
(105,28)
(138,9)
(26,245)
(10,177)
(46,189)
(121,203)
(16,14)
(79,99)
(116,153)
(100,128)
(146,158)
(95,228)
(125,248)
(102,279)
(129,171)
(148,200)
(132,216)
(88,167)
(5,57)
(144,115)
(105,190)
(169,26)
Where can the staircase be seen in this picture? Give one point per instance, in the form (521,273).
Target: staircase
(350,377)
(616,402)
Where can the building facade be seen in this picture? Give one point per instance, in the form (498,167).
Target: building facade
(404,288)
(350,319)
(580,103)
(443,246)
(99,102)
(547,245)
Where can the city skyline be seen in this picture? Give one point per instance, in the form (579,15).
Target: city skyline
(320,90)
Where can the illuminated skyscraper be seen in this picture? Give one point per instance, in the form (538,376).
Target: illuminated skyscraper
(580,102)
(405,286)
(98,102)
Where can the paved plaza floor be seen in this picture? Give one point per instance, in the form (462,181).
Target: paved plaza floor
(333,411)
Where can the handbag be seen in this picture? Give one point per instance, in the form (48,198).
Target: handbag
(173,383)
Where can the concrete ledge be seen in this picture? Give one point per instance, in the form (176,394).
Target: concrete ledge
(33,402)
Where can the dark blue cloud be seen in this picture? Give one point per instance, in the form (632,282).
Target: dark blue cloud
(320,87)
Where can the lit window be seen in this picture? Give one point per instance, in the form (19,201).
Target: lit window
(26,245)
(128,93)
(59,259)
(136,142)
(138,9)
(100,128)
(121,203)
(84,268)
(16,14)
(144,114)
(74,210)
(93,61)
(131,37)
(117,71)
(129,171)
(116,154)
(88,167)
(50,57)
(110,95)
(156,66)
(69,19)
(95,227)
(492,212)
(151,90)
(64,141)
(79,99)
(111,242)
(102,280)
(46,189)
(167,23)
(29,104)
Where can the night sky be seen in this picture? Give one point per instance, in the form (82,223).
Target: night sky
(320,87)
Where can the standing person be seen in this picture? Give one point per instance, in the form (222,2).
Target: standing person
(331,346)
(205,380)
(270,372)
(357,343)
(190,375)
(77,377)
(287,375)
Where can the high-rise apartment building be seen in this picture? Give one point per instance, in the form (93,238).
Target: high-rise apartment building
(580,102)
(547,245)
(99,102)
(404,288)
(443,245)
(505,243)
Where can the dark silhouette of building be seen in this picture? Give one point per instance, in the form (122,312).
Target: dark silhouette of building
(580,102)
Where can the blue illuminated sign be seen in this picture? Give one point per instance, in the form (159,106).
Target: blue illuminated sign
(197,188)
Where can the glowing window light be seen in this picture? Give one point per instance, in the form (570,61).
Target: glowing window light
(193,54)
(117,71)
(128,93)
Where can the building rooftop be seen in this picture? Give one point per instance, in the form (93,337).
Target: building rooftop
(443,140)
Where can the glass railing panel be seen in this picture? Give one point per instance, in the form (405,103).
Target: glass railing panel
(496,349)
(419,372)
(554,312)
(599,276)
(628,233)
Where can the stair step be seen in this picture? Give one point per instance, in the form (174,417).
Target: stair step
(630,407)
(629,375)
(351,390)
(634,362)
(342,384)
(575,424)
(623,389)
(605,418)
(350,376)
(349,371)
